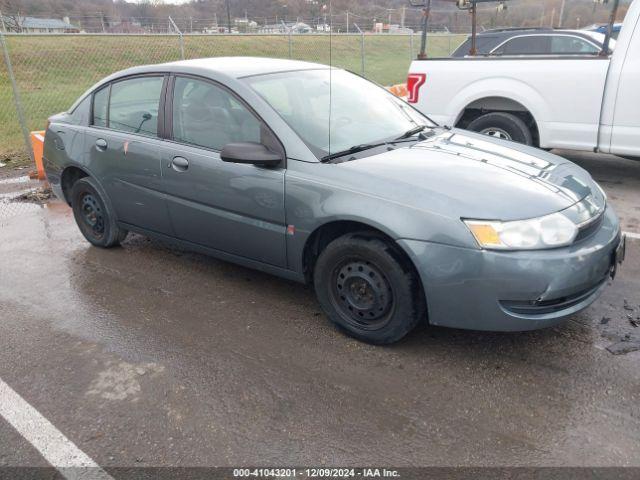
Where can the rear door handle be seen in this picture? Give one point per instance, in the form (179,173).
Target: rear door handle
(101,144)
(179,164)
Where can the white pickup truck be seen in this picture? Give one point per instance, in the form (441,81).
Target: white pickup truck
(579,102)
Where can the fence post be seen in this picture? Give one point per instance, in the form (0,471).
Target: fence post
(411,45)
(180,37)
(361,49)
(290,45)
(16,96)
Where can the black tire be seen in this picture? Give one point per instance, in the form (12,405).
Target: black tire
(368,289)
(94,215)
(503,123)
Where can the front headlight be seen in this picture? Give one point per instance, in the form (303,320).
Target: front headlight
(550,231)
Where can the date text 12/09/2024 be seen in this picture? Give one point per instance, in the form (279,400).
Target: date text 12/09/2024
(315,473)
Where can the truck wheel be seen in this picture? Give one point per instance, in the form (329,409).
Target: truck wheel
(502,125)
(367,289)
(94,218)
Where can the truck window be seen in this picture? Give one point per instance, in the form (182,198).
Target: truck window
(563,44)
(526,45)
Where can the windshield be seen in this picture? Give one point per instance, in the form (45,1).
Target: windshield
(361,112)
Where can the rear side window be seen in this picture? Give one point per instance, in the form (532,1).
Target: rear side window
(100,106)
(134,105)
(209,116)
(528,45)
(80,114)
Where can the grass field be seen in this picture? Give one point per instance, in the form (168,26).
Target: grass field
(52,71)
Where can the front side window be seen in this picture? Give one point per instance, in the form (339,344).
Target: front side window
(564,44)
(333,111)
(209,116)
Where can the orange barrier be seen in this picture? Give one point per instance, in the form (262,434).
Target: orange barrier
(37,144)
(399,90)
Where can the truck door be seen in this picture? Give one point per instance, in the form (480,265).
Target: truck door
(625,132)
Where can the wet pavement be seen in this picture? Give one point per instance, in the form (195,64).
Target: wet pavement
(147,355)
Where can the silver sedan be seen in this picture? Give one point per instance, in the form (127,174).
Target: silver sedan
(317,175)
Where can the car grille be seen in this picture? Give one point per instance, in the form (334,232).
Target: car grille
(590,228)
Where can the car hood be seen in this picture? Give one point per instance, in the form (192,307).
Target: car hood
(467,175)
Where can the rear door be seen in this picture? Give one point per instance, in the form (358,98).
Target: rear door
(123,149)
(233,208)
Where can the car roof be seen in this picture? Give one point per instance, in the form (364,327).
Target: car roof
(517,32)
(238,67)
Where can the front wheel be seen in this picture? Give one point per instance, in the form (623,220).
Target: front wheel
(502,125)
(95,219)
(366,287)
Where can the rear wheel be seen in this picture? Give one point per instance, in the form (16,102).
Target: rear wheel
(366,288)
(94,218)
(502,125)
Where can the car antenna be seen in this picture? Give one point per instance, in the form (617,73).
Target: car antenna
(330,66)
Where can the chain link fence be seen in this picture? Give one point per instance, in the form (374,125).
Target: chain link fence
(44,73)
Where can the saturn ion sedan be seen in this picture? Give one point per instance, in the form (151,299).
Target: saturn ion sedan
(317,175)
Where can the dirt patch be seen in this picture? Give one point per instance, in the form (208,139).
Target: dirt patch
(14,163)
(39,195)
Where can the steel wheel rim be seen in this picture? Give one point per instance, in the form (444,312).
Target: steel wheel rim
(92,214)
(496,133)
(362,294)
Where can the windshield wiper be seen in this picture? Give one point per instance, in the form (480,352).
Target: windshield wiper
(412,132)
(353,149)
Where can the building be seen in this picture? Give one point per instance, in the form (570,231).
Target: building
(37,25)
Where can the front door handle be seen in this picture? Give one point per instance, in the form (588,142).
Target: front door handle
(101,144)
(179,164)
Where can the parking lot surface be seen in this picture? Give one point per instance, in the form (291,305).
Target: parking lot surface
(146,355)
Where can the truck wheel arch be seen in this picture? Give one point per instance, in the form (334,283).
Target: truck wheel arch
(501,93)
(480,106)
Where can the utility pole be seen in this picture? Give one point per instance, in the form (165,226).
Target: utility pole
(612,19)
(228,17)
(347,21)
(402,15)
(474,17)
(425,24)
(553,16)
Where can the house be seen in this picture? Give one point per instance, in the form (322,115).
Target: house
(37,25)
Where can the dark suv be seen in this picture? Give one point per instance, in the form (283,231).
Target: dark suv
(535,41)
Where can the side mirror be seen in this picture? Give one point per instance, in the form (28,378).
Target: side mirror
(251,153)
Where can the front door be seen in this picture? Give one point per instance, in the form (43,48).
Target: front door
(123,150)
(625,138)
(233,208)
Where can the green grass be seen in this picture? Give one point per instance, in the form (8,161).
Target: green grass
(52,71)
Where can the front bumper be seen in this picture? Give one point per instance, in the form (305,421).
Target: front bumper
(514,291)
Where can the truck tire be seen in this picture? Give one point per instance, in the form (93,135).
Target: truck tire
(368,289)
(502,125)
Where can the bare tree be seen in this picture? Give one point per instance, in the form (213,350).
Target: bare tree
(11,18)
